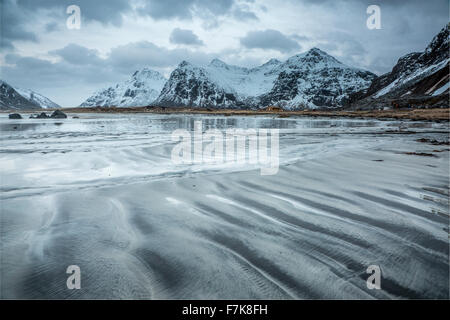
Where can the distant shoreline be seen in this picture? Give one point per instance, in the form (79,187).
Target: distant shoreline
(434,114)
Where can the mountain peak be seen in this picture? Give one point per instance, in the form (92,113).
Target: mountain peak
(272,62)
(141,89)
(184,64)
(316,50)
(311,79)
(438,48)
(416,74)
(217,63)
(313,56)
(15,98)
(147,73)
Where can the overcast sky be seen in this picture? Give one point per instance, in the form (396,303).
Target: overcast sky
(118,37)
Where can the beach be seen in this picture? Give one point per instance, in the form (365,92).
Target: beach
(100,191)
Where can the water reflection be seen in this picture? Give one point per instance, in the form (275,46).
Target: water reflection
(151,123)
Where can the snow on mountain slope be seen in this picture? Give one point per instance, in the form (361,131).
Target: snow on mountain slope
(43,102)
(409,75)
(315,79)
(244,81)
(190,85)
(218,84)
(141,89)
(312,79)
(22,99)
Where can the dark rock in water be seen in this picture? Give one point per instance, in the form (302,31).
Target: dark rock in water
(57,114)
(15,116)
(43,115)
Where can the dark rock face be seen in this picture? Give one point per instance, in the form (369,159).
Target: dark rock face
(190,86)
(330,87)
(308,80)
(57,114)
(15,116)
(42,115)
(141,89)
(415,79)
(11,99)
(405,65)
(316,79)
(285,88)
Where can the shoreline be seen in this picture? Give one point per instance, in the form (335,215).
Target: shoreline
(434,114)
(276,233)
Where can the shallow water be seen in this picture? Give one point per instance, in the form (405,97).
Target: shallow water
(102,192)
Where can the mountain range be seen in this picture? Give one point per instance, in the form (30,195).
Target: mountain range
(309,80)
(313,79)
(418,78)
(141,89)
(23,99)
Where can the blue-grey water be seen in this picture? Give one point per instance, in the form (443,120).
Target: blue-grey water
(101,192)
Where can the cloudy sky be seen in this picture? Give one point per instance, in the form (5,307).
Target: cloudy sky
(117,37)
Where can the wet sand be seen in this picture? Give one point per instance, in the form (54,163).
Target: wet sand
(345,197)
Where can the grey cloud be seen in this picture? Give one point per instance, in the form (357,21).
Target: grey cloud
(12,26)
(106,12)
(406,26)
(78,55)
(269,39)
(52,26)
(186,37)
(112,11)
(346,43)
(80,71)
(393,3)
(136,55)
(345,47)
(65,83)
(207,10)
(26,70)
(17,14)
(242,11)
(299,37)
(164,9)
(218,7)
(244,14)
(78,64)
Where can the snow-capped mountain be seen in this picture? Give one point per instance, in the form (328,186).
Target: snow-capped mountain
(22,99)
(141,89)
(244,81)
(309,80)
(43,102)
(190,85)
(315,79)
(217,85)
(416,75)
